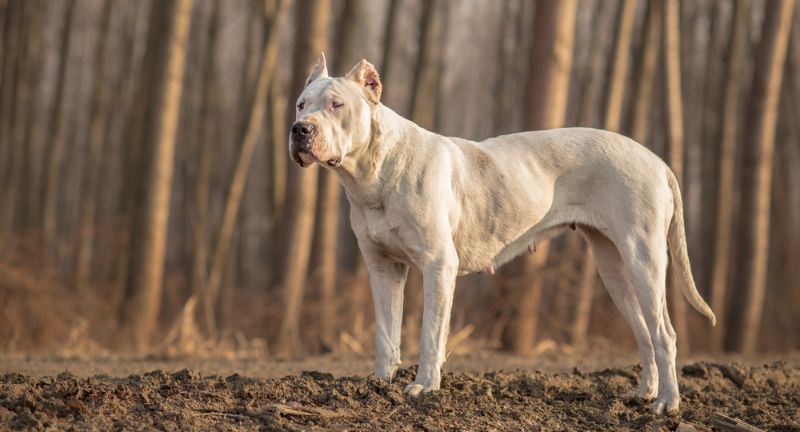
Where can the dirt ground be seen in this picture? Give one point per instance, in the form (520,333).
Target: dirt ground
(480,391)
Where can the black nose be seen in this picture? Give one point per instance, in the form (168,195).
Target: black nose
(302,129)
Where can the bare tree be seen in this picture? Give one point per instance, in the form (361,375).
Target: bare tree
(757,187)
(389,43)
(238,182)
(205,136)
(96,137)
(545,107)
(310,37)
(22,110)
(646,73)
(58,137)
(426,73)
(31,178)
(148,250)
(277,120)
(727,157)
(675,132)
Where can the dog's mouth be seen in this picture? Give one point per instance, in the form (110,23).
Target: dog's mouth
(305,158)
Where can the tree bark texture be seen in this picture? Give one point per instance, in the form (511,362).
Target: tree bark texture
(149,243)
(675,132)
(757,187)
(728,140)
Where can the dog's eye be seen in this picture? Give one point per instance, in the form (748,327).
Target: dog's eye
(301,105)
(337,104)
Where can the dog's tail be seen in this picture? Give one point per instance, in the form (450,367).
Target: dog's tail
(680,258)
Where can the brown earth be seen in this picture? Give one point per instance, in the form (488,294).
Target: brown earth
(763,395)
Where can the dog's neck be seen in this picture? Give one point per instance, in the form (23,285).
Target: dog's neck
(364,171)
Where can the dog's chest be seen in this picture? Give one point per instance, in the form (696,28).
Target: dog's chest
(383,230)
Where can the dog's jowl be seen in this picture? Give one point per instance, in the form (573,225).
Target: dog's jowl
(450,206)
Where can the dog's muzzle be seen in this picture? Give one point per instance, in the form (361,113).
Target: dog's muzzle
(303,134)
(301,138)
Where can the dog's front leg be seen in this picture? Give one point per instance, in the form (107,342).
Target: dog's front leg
(438,286)
(387,280)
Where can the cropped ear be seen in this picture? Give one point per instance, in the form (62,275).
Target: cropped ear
(365,75)
(320,70)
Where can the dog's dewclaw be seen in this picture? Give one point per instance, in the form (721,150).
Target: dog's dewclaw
(532,248)
(490,269)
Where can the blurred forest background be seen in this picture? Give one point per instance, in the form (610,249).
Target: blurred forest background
(147,199)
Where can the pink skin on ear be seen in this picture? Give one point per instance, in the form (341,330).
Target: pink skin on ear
(366,76)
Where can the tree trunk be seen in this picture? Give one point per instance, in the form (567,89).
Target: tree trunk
(30,187)
(4,24)
(57,139)
(616,92)
(728,139)
(96,140)
(279,157)
(202,183)
(646,74)
(545,107)
(506,54)
(675,132)
(312,17)
(793,204)
(21,109)
(765,93)
(239,180)
(619,68)
(426,73)
(149,241)
(710,114)
(389,45)
(11,36)
(135,103)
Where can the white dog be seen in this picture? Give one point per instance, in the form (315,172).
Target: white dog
(451,206)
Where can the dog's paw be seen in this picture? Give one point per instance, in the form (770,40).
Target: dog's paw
(646,393)
(415,391)
(385,373)
(665,405)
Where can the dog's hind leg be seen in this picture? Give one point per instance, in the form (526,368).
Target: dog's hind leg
(645,258)
(615,279)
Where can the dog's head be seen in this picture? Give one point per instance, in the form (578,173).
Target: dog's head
(334,114)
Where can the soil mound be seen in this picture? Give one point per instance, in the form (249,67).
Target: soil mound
(764,396)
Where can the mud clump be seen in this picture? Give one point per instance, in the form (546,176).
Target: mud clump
(766,396)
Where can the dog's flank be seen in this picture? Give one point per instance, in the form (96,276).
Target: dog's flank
(451,206)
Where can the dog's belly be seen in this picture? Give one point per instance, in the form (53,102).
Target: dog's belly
(477,256)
